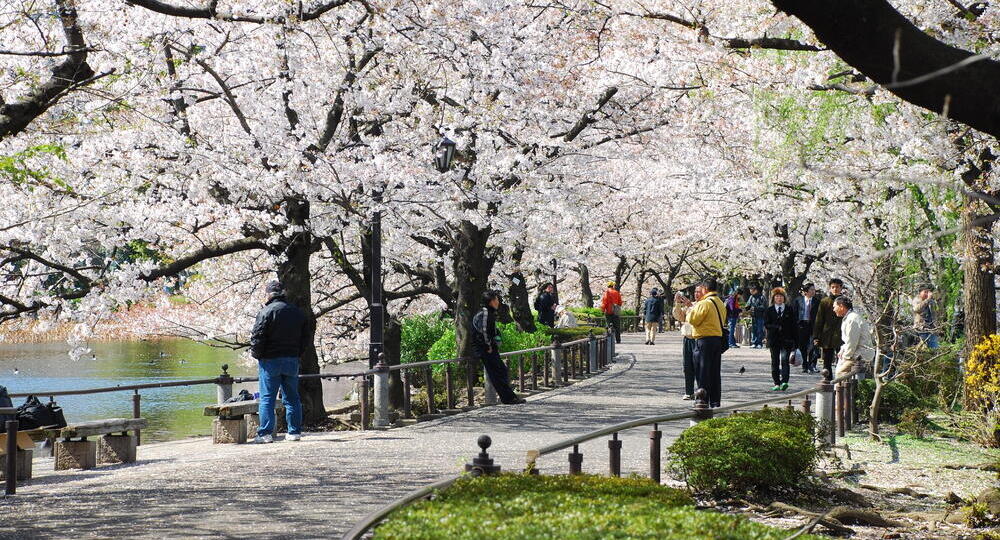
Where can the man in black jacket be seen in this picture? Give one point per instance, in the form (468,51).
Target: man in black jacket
(779,321)
(545,305)
(806,307)
(280,336)
(487,345)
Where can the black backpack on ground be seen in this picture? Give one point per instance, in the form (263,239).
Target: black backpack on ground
(33,414)
(244,395)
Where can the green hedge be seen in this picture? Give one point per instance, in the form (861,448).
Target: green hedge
(750,452)
(419,333)
(572,334)
(896,399)
(584,507)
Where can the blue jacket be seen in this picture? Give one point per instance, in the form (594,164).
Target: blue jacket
(653,309)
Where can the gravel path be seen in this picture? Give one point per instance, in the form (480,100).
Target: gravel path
(319,487)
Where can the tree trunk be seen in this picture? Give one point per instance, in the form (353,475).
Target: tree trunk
(518,297)
(586,293)
(392,345)
(295,274)
(639,283)
(978,267)
(472,265)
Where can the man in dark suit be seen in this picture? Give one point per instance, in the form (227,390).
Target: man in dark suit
(826,332)
(779,321)
(806,307)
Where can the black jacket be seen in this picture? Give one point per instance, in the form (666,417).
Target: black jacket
(780,330)
(281,330)
(800,305)
(484,330)
(544,305)
(653,309)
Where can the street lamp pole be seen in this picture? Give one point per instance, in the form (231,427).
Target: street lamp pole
(377,308)
(555,287)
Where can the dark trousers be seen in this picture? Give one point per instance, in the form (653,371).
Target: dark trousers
(499,375)
(615,324)
(757,332)
(708,366)
(828,356)
(804,343)
(779,364)
(690,375)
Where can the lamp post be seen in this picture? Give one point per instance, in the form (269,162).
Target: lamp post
(375,345)
(555,287)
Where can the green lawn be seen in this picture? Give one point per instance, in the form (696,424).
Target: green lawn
(515,506)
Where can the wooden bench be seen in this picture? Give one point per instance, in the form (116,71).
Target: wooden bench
(116,444)
(238,421)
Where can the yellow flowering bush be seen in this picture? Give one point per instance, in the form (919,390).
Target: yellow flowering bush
(982,372)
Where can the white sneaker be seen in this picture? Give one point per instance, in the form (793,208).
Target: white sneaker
(263,439)
(293,437)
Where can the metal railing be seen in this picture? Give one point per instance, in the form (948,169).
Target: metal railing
(835,412)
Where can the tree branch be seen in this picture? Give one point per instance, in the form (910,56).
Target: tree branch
(207,252)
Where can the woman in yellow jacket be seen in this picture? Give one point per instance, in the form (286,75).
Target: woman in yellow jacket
(706,318)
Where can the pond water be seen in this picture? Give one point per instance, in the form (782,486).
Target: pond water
(173,413)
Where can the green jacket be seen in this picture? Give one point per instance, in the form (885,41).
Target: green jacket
(827,328)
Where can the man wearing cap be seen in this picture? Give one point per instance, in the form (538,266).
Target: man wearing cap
(611,305)
(279,337)
(924,317)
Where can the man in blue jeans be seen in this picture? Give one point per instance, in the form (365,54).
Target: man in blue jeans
(280,335)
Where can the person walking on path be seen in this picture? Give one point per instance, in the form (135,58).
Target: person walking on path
(925,316)
(733,311)
(826,332)
(611,305)
(652,311)
(806,307)
(682,306)
(858,349)
(757,305)
(545,305)
(706,319)
(486,342)
(279,337)
(779,321)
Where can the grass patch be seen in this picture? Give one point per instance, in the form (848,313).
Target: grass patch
(515,506)
(926,452)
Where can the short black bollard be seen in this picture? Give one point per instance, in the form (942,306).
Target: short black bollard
(575,460)
(11,449)
(655,437)
(136,413)
(483,463)
(615,455)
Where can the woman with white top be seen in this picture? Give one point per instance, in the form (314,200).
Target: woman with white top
(681,306)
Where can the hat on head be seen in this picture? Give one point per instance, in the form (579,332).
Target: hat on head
(926,287)
(611,284)
(274,287)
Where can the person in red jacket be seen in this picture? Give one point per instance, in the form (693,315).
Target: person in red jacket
(611,305)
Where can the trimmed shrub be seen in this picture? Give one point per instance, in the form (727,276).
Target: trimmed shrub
(751,452)
(419,333)
(932,373)
(563,335)
(588,311)
(896,398)
(530,507)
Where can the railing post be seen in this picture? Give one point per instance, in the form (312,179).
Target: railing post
(489,391)
(557,364)
(381,393)
(471,370)
(520,373)
(841,395)
(546,361)
(363,398)
(137,413)
(407,406)
(534,371)
(224,390)
(592,354)
(571,372)
(575,460)
(11,466)
(825,408)
(429,386)
(852,388)
(701,409)
(806,405)
(611,351)
(655,438)
(615,455)
(448,389)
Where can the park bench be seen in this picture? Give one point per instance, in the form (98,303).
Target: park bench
(238,421)
(116,444)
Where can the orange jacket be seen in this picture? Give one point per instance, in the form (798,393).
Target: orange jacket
(611,297)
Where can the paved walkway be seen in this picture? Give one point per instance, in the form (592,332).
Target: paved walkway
(319,487)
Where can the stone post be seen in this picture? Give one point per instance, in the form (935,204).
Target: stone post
(225,384)
(592,353)
(557,364)
(825,408)
(381,393)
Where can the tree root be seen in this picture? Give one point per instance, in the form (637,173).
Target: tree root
(839,516)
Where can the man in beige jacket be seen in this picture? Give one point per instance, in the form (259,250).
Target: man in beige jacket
(858,350)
